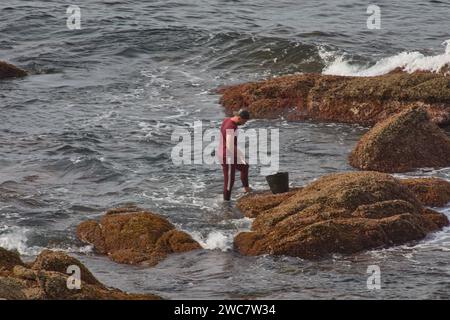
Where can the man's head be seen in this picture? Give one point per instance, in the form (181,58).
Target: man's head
(241,117)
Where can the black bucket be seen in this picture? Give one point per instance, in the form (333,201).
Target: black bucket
(278,182)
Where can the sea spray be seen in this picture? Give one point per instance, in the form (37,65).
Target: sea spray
(15,238)
(222,239)
(214,240)
(409,61)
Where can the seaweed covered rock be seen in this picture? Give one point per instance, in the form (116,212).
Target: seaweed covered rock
(59,261)
(340,213)
(48,279)
(9,259)
(433,192)
(362,100)
(403,142)
(256,202)
(10,71)
(134,236)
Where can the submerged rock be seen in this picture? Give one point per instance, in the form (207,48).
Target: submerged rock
(403,142)
(47,280)
(432,192)
(362,100)
(10,71)
(338,213)
(134,236)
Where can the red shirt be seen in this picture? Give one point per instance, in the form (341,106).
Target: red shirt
(227,124)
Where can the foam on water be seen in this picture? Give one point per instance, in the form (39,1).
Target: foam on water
(214,240)
(409,61)
(15,238)
(222,239)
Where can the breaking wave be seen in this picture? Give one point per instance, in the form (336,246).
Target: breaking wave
(214,240)
(409,61)
(16,238)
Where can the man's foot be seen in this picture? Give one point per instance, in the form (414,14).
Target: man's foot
(247,189)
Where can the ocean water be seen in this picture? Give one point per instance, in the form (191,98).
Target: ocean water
(91,129)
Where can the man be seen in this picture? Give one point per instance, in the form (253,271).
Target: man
(231,157)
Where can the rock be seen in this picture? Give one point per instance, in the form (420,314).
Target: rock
(59,261)
(24,273)
(362,100)
(256,202)
(47,280)
(403,142)
(53,285)
(12,289)
(429,191)
(9,259)
(134,236)
(10,71)
(339,213)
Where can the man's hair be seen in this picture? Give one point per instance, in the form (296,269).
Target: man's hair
(243,113)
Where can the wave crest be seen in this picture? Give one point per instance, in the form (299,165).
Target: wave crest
(407,61)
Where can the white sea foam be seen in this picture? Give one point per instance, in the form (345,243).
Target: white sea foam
(222,239)
(337,64)
(15,238)
(214,240)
